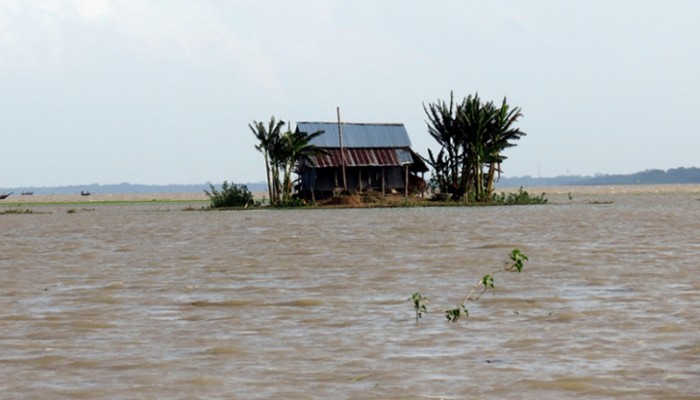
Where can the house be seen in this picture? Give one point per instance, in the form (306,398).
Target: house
(360,157)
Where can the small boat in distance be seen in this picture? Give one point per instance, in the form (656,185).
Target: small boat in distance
(5,195)
(27,193)
(84,193)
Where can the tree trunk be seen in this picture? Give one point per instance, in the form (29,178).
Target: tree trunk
(267,174)
(491,179)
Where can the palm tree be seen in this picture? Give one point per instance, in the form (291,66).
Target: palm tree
(472,135)
(502,134)
(442,126)
(441,171)
(296,149)
(471,121)
(268,140)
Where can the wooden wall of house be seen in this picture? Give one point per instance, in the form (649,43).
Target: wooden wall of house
(325,180)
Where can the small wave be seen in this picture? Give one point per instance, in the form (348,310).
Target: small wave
(568,384)
(223,351)
(225,303)
(115,285)
(90,325)
(301,303)
(204,381)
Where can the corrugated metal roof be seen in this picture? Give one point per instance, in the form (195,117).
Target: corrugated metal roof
(376,157)
(357,135)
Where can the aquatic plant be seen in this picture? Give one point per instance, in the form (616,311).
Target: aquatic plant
(419,303)
(522,197)
(17,211)
(517,260)
(516,264)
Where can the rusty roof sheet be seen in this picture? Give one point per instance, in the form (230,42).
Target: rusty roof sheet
(377,157)
(357,135)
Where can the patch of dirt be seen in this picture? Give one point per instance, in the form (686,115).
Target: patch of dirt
(351,200)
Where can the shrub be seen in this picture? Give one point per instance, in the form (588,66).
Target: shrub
(232,195)
(522,197)
(292,203)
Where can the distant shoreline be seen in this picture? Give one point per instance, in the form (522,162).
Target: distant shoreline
(201,197)
(636,182)
(15,199)
(609,189)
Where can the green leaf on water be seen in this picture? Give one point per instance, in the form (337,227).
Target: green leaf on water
(518,259)
(454,314)
(487,281)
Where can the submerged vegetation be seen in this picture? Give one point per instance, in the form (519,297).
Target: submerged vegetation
(17,211)
(516,264)
(521,197)
(419,304)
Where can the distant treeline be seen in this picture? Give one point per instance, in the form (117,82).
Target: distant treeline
(96,188)
(648,177)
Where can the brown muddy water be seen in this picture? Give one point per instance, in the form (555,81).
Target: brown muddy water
(149,301)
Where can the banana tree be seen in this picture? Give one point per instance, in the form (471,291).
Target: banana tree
(296,147)
(269,138)
(472,136)
(502,134)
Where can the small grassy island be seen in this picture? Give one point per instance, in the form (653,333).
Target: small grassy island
(235,196)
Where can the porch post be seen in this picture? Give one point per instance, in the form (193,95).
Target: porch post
(359,178)
(383,184)
(406,183)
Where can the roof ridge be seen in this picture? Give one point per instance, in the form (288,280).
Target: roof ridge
(349,123)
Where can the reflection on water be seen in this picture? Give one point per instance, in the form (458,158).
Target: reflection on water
(150,301)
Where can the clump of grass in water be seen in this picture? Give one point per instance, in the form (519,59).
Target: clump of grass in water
(17,211)
(522,197)
(193,208)
(516,264)
(74,211)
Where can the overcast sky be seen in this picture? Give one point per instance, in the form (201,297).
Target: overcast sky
(160,92)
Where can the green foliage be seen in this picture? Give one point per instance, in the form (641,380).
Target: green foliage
(473,135)
(17,211)
(232,195)
(419,304)
(293,202)
(283,152)
(517,260)
(454,314)
(522,197)
(487,281)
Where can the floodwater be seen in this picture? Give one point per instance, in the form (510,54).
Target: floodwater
(150,301)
